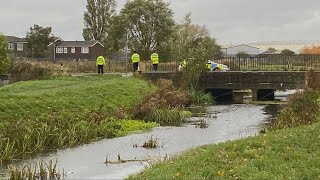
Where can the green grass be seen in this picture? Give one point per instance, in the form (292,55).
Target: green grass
(65,112)
(69,97)
(285,154)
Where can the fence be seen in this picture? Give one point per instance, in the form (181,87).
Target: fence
(272,63)
(258,63)
(89,66)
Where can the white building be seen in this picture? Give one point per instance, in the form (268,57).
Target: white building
(296,46)
(242,48)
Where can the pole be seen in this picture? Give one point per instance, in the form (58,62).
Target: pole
(127,53)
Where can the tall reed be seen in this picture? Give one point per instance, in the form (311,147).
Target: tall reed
(41,171)
(167,117)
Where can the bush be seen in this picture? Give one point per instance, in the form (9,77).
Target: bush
(5,61)
(313,80)
(23,71)
(166,96)
(200,97)
(302,109)
(167,117)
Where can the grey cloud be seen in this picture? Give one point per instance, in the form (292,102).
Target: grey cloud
(228,20)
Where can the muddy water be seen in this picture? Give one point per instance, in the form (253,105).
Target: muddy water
(225,122)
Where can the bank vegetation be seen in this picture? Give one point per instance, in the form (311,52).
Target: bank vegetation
(288,149)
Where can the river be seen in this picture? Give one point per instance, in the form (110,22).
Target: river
(225,122)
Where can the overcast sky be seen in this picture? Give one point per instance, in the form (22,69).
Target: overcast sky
(229,21)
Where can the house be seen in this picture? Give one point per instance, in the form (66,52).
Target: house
(61,49)
(17,46)
(238,49)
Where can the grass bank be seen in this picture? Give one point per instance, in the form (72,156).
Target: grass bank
(67,111)
(285,154)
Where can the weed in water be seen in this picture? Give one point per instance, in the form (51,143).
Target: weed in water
(167,117)
(152,143)
(202,124)
(121,161)
(40,171)
(200,97)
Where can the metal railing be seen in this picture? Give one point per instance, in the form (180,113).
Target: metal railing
(272,63)
(258,63)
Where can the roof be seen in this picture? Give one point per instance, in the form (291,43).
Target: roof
(15,39)
(77,44)
(295,46)
(225,47)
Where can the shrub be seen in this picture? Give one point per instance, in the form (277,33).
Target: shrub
(166,96)
(200,97)
(313,80)
(302,109)
(167,117)
(5,61)
(23,71)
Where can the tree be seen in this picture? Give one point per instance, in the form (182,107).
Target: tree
(193,43)
(38,40)
(5,61)
(117,35)
(287,52)
(242,54)
(149,23)
(98,20)
(188,37)
(311,50)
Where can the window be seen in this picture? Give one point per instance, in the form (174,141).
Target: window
(11,46)
(59,50)
(65,50)
(73,50)
(85,50)
(19,46)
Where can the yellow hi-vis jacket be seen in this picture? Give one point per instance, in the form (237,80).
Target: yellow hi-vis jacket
(135,58)
(155,58)
(100,61)
(183,63)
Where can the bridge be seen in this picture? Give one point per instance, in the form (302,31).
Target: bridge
(262,84)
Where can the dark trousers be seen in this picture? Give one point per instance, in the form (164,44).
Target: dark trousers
(135,66)
(100,69)
(155,67)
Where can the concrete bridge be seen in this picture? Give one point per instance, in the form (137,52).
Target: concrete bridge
(261,84)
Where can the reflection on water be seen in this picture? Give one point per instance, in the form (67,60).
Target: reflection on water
(224,122)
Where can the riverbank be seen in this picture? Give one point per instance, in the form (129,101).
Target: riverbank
(286,154)
(220,127)
(288,150)
(67,111)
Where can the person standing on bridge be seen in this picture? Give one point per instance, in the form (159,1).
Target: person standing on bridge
(100,63)
(135,58)
(182,65)
(155,60)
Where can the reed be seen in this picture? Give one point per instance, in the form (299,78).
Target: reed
(40,171)
(200,97)
(167,117)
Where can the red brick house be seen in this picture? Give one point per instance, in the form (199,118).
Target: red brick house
(76,49)
(17,46)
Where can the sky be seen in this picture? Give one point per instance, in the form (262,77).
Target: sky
(229,21)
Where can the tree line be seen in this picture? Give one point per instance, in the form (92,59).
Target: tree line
(142,25)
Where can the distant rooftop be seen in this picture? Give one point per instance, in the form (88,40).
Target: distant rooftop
(295,46)
(15,39)
(76,43)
